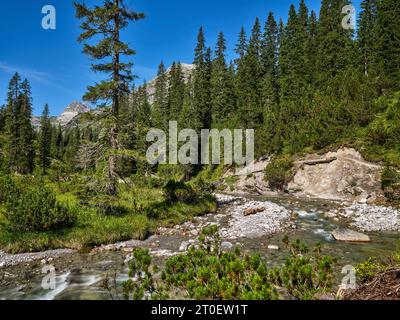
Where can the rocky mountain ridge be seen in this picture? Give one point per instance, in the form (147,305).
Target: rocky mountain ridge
(70,112)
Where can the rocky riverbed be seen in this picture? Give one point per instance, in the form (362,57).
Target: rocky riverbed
(255,223)
(369,218)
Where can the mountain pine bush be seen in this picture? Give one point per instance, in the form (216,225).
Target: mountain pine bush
(31,206)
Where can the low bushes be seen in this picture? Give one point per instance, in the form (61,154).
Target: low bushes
(208,272)
(178,191)
(31,206)
(391,184)
(278,172)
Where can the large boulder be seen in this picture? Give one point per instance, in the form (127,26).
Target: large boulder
(348,235)
(340,175)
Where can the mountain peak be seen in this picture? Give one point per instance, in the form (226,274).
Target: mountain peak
(76,107)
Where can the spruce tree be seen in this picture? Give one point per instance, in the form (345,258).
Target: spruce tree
(269,60)
(241,46)
(334,42)
(222,101)
(201,84)
(2,118)
(248,82)
(160,110)
(176,91)
(311,50)
(12,126)
(45,139)
(367,34)
(108,21)
(388,40)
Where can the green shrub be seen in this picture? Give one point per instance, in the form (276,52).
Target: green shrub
(391,183)
(278,172)
(206,272)
(178,191)
(31,206)
(368,269)
(304,273)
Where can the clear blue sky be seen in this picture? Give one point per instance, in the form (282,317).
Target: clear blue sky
(59,72)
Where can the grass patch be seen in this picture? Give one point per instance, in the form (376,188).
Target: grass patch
(144,210)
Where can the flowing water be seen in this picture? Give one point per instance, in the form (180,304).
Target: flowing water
(79,276)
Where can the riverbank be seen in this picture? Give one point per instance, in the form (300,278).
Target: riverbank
(303,219)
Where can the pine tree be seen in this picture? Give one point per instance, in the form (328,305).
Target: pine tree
(222,99)
(108,20)
(241,46)
(2,118)
(334,42)
(201,84)
(311,50)
(45,139)
(270,47)
(12,126)
(176,91)
(367,34)
(248,82)
(291,59)
(27,134)
(160,110)
(269,60)
(388,40)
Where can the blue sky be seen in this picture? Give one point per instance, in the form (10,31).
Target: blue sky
(59,72)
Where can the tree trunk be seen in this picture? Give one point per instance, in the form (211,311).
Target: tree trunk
(112,160)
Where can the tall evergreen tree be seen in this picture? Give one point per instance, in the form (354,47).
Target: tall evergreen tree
(201,84)
(269,60)
(311,50)
(12,126)
(222,99)
(108,21)
(176,91)
(2,118)
(248,82)
(19,130)
(291,59)
(45,139)
(160,110)
(367,34)
(27,134)
(388,40)
(334,42)
(241,46)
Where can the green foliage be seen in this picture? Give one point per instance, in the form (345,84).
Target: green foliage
(278,172)
(304,273)
(206,272)
(178,191)
(142,286)
(18,129)
(32,206)
(45,140)
(368,269)
(391,183)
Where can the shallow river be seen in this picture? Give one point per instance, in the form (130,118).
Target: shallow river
(79,275)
